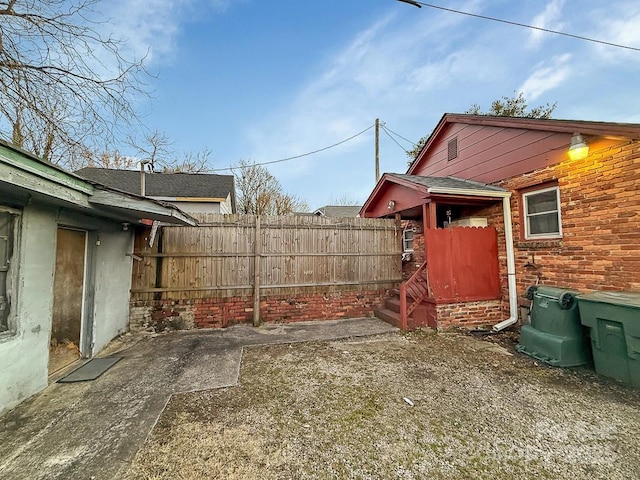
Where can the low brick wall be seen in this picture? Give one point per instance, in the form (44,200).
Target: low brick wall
(469,315)
(222,312)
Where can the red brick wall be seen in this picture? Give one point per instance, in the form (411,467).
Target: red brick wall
(600,211)
(213,313)
(469,315)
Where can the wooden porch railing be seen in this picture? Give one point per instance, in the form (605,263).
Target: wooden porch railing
(416,288)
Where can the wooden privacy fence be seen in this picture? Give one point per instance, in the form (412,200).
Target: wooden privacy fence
(221,257)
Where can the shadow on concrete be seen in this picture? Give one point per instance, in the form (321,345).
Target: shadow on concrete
(92,430)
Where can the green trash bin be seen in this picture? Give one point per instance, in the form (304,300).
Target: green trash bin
(613,319)
(555,335)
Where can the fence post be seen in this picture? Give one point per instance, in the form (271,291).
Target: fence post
(256,274)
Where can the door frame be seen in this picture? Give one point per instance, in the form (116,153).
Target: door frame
(88,289)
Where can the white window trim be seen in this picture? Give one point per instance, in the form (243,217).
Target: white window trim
(525,214)
(404,240)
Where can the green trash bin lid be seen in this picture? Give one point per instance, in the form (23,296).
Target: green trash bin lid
(625,299)
(565,298)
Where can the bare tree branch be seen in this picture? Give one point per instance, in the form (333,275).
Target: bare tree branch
(65,86)
(260,193)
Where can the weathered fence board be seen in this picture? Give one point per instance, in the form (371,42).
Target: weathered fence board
(295,253)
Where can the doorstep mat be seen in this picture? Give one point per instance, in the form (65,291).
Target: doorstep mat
(90,370)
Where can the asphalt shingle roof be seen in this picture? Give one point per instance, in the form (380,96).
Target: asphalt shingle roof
(194,185)
(339,210)
(453,183)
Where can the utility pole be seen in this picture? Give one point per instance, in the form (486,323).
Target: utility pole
(377,149)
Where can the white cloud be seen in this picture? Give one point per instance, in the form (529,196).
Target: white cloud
(469,62)
(150,28)
(381,69)
(619,25)
(393,68)
(548,19)
(406,72)
(546,76)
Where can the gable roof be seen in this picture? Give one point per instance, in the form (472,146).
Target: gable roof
(172,185)
(629,131)
(420,188)
(338,211)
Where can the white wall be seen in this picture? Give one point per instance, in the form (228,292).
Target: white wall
(24,355)
(226,207)
(112,285)
(198,207)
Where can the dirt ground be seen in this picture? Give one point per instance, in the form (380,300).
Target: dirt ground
(413,406)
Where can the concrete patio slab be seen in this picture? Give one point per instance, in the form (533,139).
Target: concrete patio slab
(92,430)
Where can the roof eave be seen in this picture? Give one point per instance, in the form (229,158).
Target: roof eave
(128,204)
(468,192)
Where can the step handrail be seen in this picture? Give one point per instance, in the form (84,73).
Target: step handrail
(405,310)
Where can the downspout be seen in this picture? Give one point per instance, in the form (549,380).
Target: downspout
(511,269)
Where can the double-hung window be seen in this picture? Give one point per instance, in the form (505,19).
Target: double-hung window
(9,223)
(541,210)
(407,240)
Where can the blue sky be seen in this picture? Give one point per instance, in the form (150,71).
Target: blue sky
(265,80)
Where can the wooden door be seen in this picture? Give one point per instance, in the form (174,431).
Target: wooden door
(68,294)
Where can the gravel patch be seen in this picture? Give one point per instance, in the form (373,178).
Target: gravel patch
(421,405)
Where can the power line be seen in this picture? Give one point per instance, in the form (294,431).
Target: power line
(393,139)
(509,22)
(303,154)
(398,135)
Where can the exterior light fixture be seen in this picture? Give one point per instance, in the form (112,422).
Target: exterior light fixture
(390,205)
(578,148)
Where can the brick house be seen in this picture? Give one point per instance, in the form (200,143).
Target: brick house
(540,215)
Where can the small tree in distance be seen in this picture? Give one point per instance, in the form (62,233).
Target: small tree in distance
(260,193)
(155,148)
(515,106)
(344,201)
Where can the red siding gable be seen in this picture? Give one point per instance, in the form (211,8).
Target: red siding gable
(491,153)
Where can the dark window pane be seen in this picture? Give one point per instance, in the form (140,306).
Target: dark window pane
(542,202)
(545,223)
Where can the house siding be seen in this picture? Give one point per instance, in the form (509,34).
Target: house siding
(196,208)
(489,154)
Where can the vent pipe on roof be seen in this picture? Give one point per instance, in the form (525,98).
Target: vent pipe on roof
(143,163)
